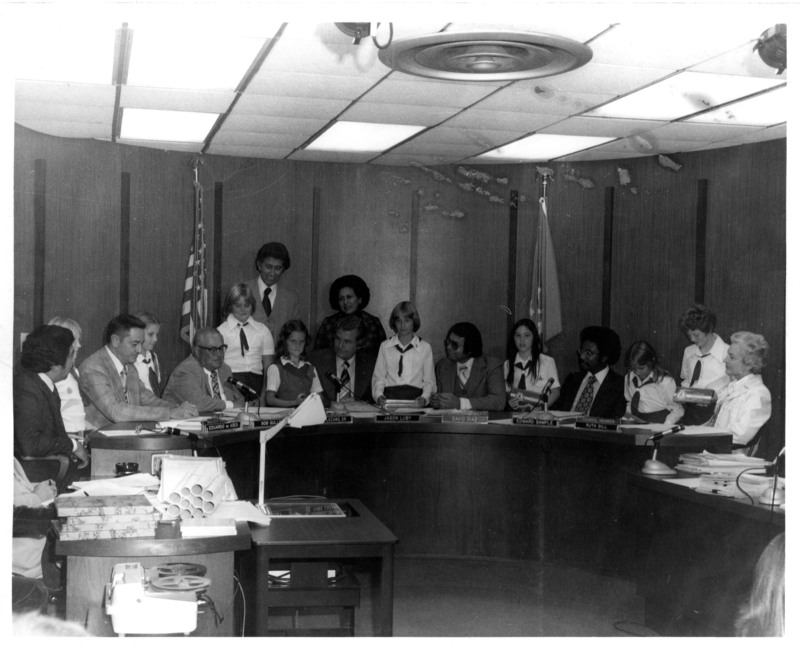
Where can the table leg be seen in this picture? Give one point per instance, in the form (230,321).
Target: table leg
(261,613)
(383,608)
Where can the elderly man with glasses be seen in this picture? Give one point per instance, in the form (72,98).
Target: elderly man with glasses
(202,377)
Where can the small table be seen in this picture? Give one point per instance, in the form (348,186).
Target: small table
(90,562)
(358,536)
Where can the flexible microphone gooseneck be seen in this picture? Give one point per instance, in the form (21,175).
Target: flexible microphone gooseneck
(672,430)
(341,385)
(242,387)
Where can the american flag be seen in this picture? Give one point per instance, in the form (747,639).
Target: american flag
(545,305)
(195,295)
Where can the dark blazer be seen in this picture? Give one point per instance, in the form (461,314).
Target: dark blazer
(285,308)
(189,383)
(325,361)
(609,401)
(486,387)
(38,426)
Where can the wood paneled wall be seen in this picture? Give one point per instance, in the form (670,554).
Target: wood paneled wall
(452,222)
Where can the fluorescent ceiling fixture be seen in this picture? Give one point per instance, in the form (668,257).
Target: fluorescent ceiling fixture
(768,108)
(543,147)
(682,95)
(187,60)
(81,54)
(157,125)
(347,136)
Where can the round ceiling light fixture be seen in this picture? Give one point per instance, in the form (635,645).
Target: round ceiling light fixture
(485,56)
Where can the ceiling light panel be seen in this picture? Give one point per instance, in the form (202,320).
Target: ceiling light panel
(178,59)
(766,109)
(682,95)
(173,126)
(344,136)
(542,147)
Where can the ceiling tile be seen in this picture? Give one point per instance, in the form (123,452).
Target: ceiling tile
(514,121)
(79,94)
(597,79)
(588,126)
(212,102)
(302,127)
(68,129)
(394,159)
(163,145)
(428,92)
(397,114)
(266,105)
(541,100)
(700,132)
(301,85)
(481,138)
(63,112)
(249,151)
(337,157)
(739,61)
(257,139)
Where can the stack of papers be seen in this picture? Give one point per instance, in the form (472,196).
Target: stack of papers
(728,475)
(706,463)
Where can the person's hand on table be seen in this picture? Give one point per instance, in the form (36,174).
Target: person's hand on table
(184,410)
(445,401)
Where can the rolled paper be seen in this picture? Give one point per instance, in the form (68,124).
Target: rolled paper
(197,502)
(174,497)
(186,514)
(197,513)
(185,503)
(197,490)
(186,491)
(173,510)
(208,507)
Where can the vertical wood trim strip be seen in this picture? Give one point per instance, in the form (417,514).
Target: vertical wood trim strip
(312,287)
(608,248)
(39,245)
(124,242)
(701,225)
(414,246)
(511,296)
(217,254)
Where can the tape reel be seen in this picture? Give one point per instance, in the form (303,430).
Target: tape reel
(181,582)
(171,569)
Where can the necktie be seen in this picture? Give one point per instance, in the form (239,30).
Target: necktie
(524,367)
(345,378)
(215,384)
(56,396)
(124,378)
(154,382)
(697,368)
(637,396)
(243,337)
(266,303)
(462,375)
(402,351)
(585,401)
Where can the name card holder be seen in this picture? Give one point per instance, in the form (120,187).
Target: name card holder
(398,417)
(211,427)
(477,417)
(608,424)
(339,419)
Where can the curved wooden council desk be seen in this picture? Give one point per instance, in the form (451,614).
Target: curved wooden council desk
(107,451)
(474,490)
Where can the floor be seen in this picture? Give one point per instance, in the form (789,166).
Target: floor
(476,598)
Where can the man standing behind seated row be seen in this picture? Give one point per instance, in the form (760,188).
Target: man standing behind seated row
(466,379)
(274,305)
(112,386)
(353,366)
(202,377)
(48,354)
(596,390)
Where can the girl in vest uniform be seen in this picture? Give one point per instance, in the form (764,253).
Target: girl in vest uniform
(292,378)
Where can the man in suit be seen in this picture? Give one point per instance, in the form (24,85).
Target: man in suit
(48,354)
(274,305)
(465,378)
(202,377)
(110,383)
(347,362)
(596,390)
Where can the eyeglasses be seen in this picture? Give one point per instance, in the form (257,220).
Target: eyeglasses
(214,350)
(453,345)
(583,352)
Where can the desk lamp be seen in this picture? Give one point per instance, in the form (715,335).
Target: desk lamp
(654,466)
(310,412)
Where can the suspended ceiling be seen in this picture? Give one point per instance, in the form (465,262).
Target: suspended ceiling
(312,75)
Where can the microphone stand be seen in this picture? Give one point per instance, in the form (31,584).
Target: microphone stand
(654,466)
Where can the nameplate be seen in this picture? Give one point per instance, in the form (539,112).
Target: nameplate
(609,424)
(547,422)
(266,422)
(478,417)
(339,419)
(220,426)
(402,417)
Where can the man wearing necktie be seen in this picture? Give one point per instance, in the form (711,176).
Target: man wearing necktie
(111,383)
(48,354)
(596,390)
(466,378)
(275,304)
(202,377)
(344,360)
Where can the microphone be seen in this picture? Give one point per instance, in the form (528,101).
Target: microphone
(672,430)
(341,385)
(173,431)
(543,396)
(242,387)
